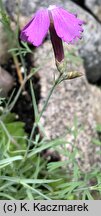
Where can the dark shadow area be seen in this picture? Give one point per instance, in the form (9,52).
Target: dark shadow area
(81,3)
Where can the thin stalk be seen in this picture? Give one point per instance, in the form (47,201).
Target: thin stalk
(29,142)
(37,119)
(48,97)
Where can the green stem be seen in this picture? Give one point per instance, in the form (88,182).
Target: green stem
(48,97)
(37,117)
(29,142)
(36,114)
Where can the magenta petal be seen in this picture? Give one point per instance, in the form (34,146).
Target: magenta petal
(23,36)
(67,26)
(35,31)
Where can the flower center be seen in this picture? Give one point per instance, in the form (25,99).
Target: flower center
(51,7)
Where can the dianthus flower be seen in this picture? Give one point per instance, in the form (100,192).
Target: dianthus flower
(61,24)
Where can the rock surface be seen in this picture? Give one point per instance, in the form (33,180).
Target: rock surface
(71,98)
(95,6)
(6,82)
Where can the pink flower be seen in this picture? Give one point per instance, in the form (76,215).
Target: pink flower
(61,24)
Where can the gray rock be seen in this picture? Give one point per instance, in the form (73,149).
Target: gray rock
(72,98)
(94,6)
(6,82)
(92,3)
(89,47)
(25,7)
(4,55)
